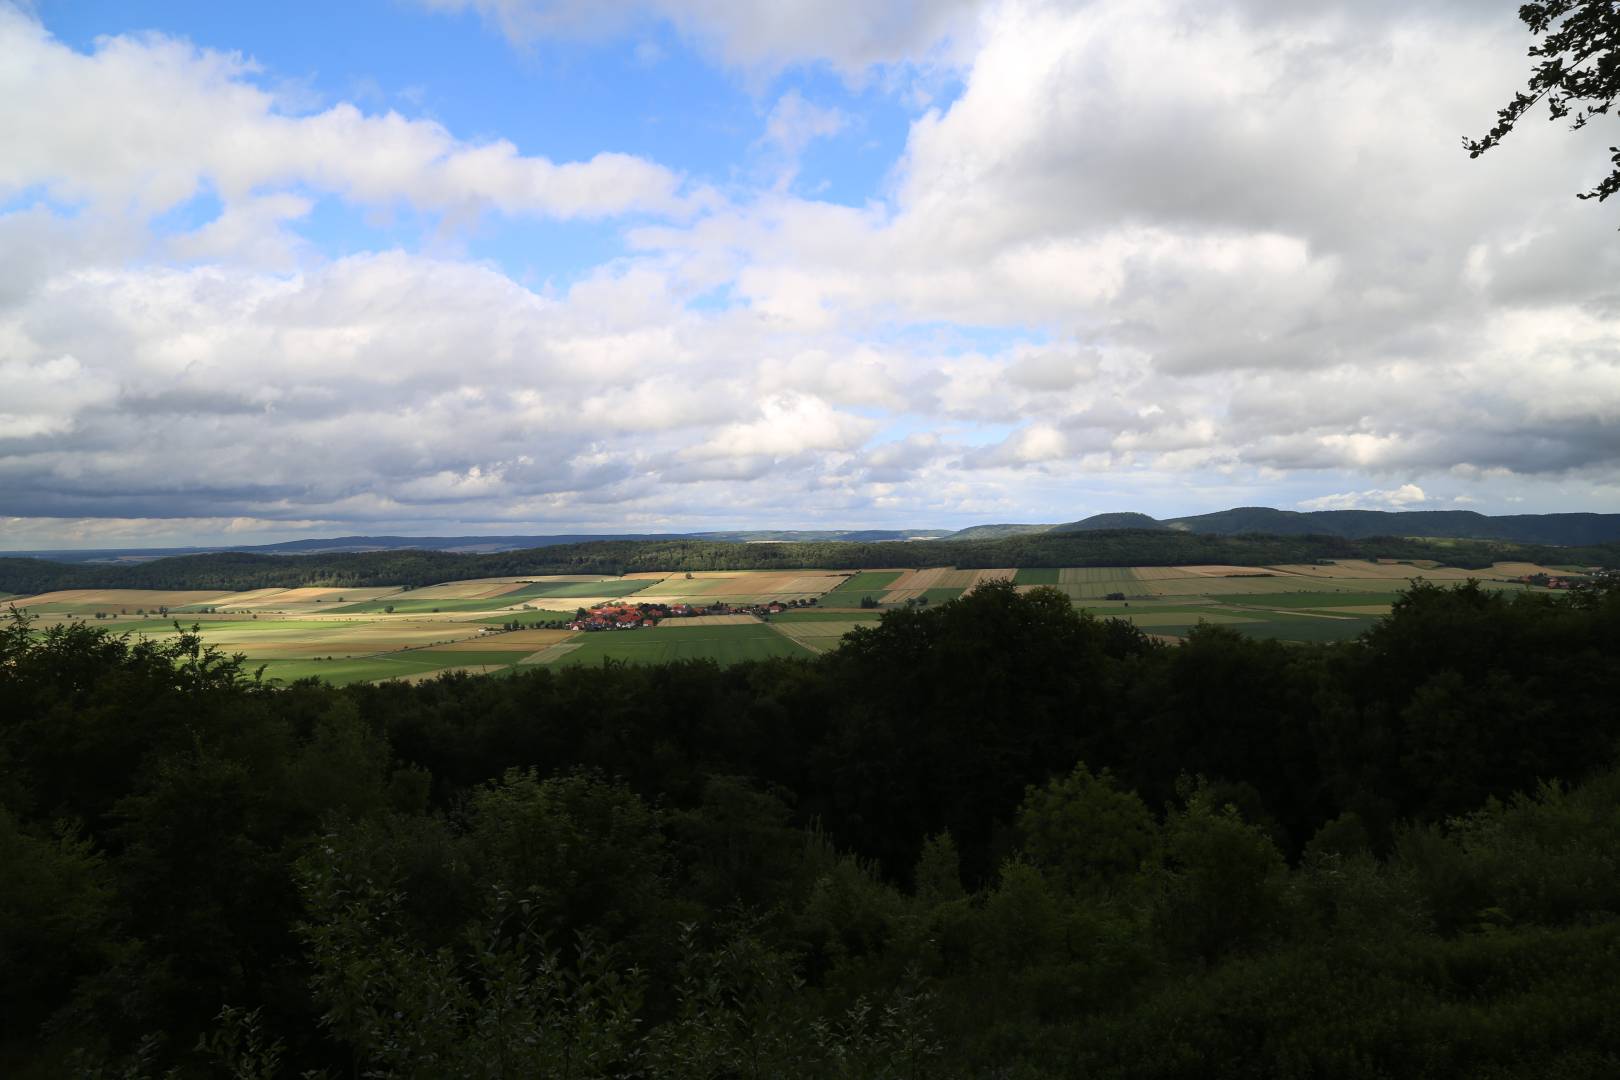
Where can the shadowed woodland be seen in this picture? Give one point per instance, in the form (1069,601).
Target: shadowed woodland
(992,838)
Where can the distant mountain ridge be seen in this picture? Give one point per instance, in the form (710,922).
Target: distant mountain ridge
(1564,530)
(480,545)
(1561,530)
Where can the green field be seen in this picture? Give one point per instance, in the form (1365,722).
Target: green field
(873,583)
(405,606)
(814,615)
(722,644)
(940,596)
(361,669)
(1310,599)
(1044,575)
(614,587)
(529,618)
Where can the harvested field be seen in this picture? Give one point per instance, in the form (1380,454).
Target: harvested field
(873,583)
(463,590)
(91,600)
(513,639)
(913,583)
(551,653)
(701,622)
(1524,569)
(817,615)
(820,636)
(1219,570)
(1159,573)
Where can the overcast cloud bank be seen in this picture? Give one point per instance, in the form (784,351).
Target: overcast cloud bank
(1151,255)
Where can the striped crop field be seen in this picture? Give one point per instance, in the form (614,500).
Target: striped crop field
(722,644)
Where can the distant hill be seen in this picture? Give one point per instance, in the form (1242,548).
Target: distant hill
(481,545)
(1560,529)
(1098,522)
(995,532)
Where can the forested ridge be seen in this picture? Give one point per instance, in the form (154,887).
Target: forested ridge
(1128,547)
(991,838)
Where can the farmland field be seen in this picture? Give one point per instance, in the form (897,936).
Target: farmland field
(722,644)
(824,635)
(815,615)
(873,583)
(347,635)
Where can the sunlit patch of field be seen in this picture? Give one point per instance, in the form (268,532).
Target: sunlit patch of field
(1524,569)
(551,653)
(307,638)
(699,622)
(913,583)
(721,644)
(819,615)
(873,583)
(527,640)
(820,636)
(744,586)
(1195,585)
(93,600)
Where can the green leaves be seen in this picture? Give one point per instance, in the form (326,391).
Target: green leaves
(1578,75)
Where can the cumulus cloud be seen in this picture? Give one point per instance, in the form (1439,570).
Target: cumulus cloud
(1404,497)
(150,122)
(1155,255)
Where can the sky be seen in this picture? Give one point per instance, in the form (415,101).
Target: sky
(440,267)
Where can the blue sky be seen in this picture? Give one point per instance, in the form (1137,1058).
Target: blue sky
(449,266)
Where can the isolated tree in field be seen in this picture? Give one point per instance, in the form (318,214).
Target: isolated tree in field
(1577,74)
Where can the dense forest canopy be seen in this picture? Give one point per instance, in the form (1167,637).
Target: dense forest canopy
(1129,547)
(992,838)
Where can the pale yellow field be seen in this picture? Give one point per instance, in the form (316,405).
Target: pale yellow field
(757,583)
(1157,573)
(551,653)
(300,600)
(818,636)
(424,676)
(982,576)
(698,621)
(912,583)
(1220,571)
(465,590)
(510,640)
(107,599)
(1524,569)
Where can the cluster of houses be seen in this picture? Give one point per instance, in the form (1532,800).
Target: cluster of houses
(1546,581)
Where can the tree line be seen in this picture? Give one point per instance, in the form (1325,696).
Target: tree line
(989,838)
(1127,547)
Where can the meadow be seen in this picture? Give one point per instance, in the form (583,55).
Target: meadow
(346,635)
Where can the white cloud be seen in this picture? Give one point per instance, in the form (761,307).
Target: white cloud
(149,122)
(1404,497)
(1154,256)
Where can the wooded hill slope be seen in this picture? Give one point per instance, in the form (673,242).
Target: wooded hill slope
(241,570)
